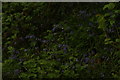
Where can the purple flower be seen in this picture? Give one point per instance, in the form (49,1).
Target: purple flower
(21,60)
(16,71)
(62,30)
(54,33)
(104,57)
(38,39)
(64,45)
(86,55)
(58,59)
(17,52)
(102,74)
(86,60)
(54,29)
(114,25)
(14,42)
(92,34)
(88,15)
(35,53)
(25,50)
(92,61)
(44,49)
(36,47)
(62,70)
(73,67)
(119,23)
(90,24)
(30,36)
(79,24)
(21,38)
(65,50)
(82,12)
(60,45)
(77,60)
(13,57)
(44,41)
(68,28)
(71,32)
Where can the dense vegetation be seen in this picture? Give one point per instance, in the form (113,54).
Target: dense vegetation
(61,40)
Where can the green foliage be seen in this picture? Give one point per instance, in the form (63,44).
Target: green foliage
(61,40)
(109,6)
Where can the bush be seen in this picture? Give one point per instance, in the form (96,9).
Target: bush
(61,40)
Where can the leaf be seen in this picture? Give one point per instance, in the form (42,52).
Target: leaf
(49,36)
(108,42)
(98,15)
(117,11)
(23,75)
(14,36)
(42,61)
(101,21)
(117,53)
(109,6)
(10,48)
(117,40)
(28,75)
(33,43)
(107,39)
(52,75)
(30,63)
(107,14)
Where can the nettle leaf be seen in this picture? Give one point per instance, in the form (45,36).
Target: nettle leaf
(27,75)
(30,63)
(109,6)
(52,75)
(84,66)
(32,75)
(65,66)
(102,23)
(108,41)
(49,31)
(115,76)
(22,49)
(112,22)
(107,14)
(34,70)
(42,61)
(117,11)
(113,16)
(117,53)
(49,36)
(33,43)
(10,48)
(23,75)
(14,36)
(117,40)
